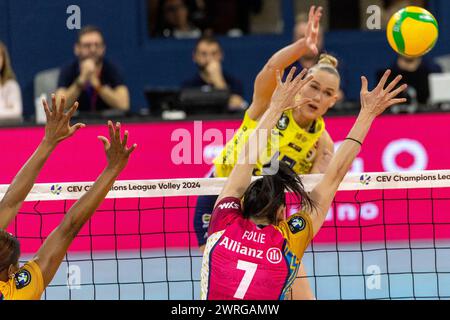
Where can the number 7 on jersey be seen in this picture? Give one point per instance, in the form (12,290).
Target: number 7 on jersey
(250,270)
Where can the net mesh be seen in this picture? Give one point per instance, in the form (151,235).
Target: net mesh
(384,238)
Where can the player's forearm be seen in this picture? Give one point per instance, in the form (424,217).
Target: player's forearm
(266,81)
(348,150)
(85,207)
(117,99)
(23,182)
(288,55)
(257,142)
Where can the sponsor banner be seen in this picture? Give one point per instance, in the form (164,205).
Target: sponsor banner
(138,216)
(171,150)
(186,149)
(213,186)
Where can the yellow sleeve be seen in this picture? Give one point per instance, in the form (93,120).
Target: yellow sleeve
(28,284)
(226,160)
(298,231)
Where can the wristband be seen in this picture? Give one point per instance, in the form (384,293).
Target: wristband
(358,142)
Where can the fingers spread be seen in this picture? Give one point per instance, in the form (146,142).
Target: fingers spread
(77,126)
(302,102)
(364,84)
(290,75)
(311,13)
(304,82)
(125,139)
(318,15)
(396,92)
(117,132)
(278,77)
(111,129)
(46,109)
(393,83)
(105,142)
(383,80)
(54,103)
(62,105)
(131,149)
(396,101)
(302,74)
(72,110)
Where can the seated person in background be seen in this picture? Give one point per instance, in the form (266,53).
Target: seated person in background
(10,96)
(174,20)
(92,80)
(415,73)
(232,17)
(208,57)
(392,6)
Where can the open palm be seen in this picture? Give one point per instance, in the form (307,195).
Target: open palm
(379,99)
(285,95)
(58,125)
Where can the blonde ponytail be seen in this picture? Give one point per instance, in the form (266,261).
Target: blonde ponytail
(327,63)
(329,60)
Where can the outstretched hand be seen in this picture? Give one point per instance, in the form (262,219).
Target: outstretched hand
(286,96)
(379,99)
(116,148)
(58,122)
(312,29)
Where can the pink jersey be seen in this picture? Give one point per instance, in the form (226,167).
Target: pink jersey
(244,261)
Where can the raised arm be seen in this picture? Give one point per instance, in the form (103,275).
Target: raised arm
(373,103)
(57,129)
(283,98)
(52,251)
(325,152)
(266,80)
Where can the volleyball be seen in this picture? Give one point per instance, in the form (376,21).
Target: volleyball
(412,31)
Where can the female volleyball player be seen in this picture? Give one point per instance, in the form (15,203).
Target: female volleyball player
(30,281)
(305,144)
(252,252)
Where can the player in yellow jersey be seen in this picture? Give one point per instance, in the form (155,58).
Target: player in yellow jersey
(29,281)
(305,145)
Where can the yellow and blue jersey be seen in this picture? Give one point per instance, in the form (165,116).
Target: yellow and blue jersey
(296,146)
(27,284)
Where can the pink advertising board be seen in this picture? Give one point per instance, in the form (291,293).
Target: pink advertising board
(184,150)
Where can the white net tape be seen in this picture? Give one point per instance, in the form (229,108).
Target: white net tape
(210,186)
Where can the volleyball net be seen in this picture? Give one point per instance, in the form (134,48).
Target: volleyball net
(386,236)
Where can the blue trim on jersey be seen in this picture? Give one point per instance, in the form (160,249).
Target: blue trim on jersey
(293,264)
(209,264)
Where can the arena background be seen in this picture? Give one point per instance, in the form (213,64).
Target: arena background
(164,62)
(37,39)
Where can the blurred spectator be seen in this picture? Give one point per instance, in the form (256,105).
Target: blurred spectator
(10,96)
(415,72)
(344,14)
(92,80)
(191,18)
(208,57)
(392,6)
(174,20)
(230,17)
